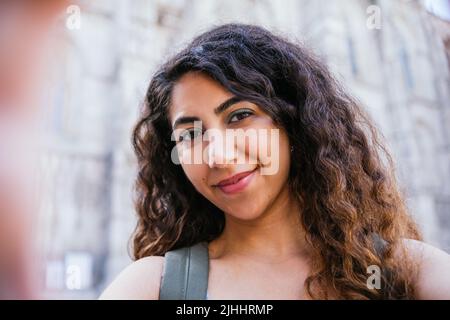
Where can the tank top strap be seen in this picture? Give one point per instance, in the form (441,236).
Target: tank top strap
(185,273)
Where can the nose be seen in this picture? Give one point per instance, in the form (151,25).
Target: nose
(221,152)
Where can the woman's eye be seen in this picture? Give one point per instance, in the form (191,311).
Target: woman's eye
(190,135)
(237,116)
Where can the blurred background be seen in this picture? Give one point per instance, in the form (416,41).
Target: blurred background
(393,55)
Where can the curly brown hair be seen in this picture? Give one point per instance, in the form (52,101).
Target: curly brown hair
(341,173)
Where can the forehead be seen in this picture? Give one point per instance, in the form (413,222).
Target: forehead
(196,92)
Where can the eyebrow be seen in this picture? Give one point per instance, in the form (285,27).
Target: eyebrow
(218,110)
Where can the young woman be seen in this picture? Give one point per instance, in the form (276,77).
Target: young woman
(310,229)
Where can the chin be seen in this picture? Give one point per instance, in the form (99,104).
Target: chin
(243,212)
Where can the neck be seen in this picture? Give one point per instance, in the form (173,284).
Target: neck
(276,235)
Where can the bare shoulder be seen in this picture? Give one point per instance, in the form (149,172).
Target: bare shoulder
(433,277)
(140,280)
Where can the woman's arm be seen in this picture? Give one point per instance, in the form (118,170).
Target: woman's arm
(433,278)
(139,281)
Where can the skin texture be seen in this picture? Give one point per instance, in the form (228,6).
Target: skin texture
(248,246)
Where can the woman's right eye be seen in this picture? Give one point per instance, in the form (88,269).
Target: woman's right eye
(190,135)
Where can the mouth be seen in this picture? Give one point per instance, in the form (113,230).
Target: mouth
(236,183)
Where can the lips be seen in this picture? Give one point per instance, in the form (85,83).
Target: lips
(234,178)
(236,183)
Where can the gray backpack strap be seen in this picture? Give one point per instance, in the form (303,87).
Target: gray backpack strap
(185,274)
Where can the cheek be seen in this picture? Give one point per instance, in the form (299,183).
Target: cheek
(197,173)
(269,146)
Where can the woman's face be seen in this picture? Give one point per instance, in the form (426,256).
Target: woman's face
(234,155)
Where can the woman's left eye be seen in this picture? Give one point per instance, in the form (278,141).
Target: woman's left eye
(238,116)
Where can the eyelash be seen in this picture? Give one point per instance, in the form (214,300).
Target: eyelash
(240,112)
(188,131)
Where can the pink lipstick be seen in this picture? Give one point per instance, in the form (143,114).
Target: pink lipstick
(236,183)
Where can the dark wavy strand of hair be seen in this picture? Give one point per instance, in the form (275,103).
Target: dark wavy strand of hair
(341,173)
